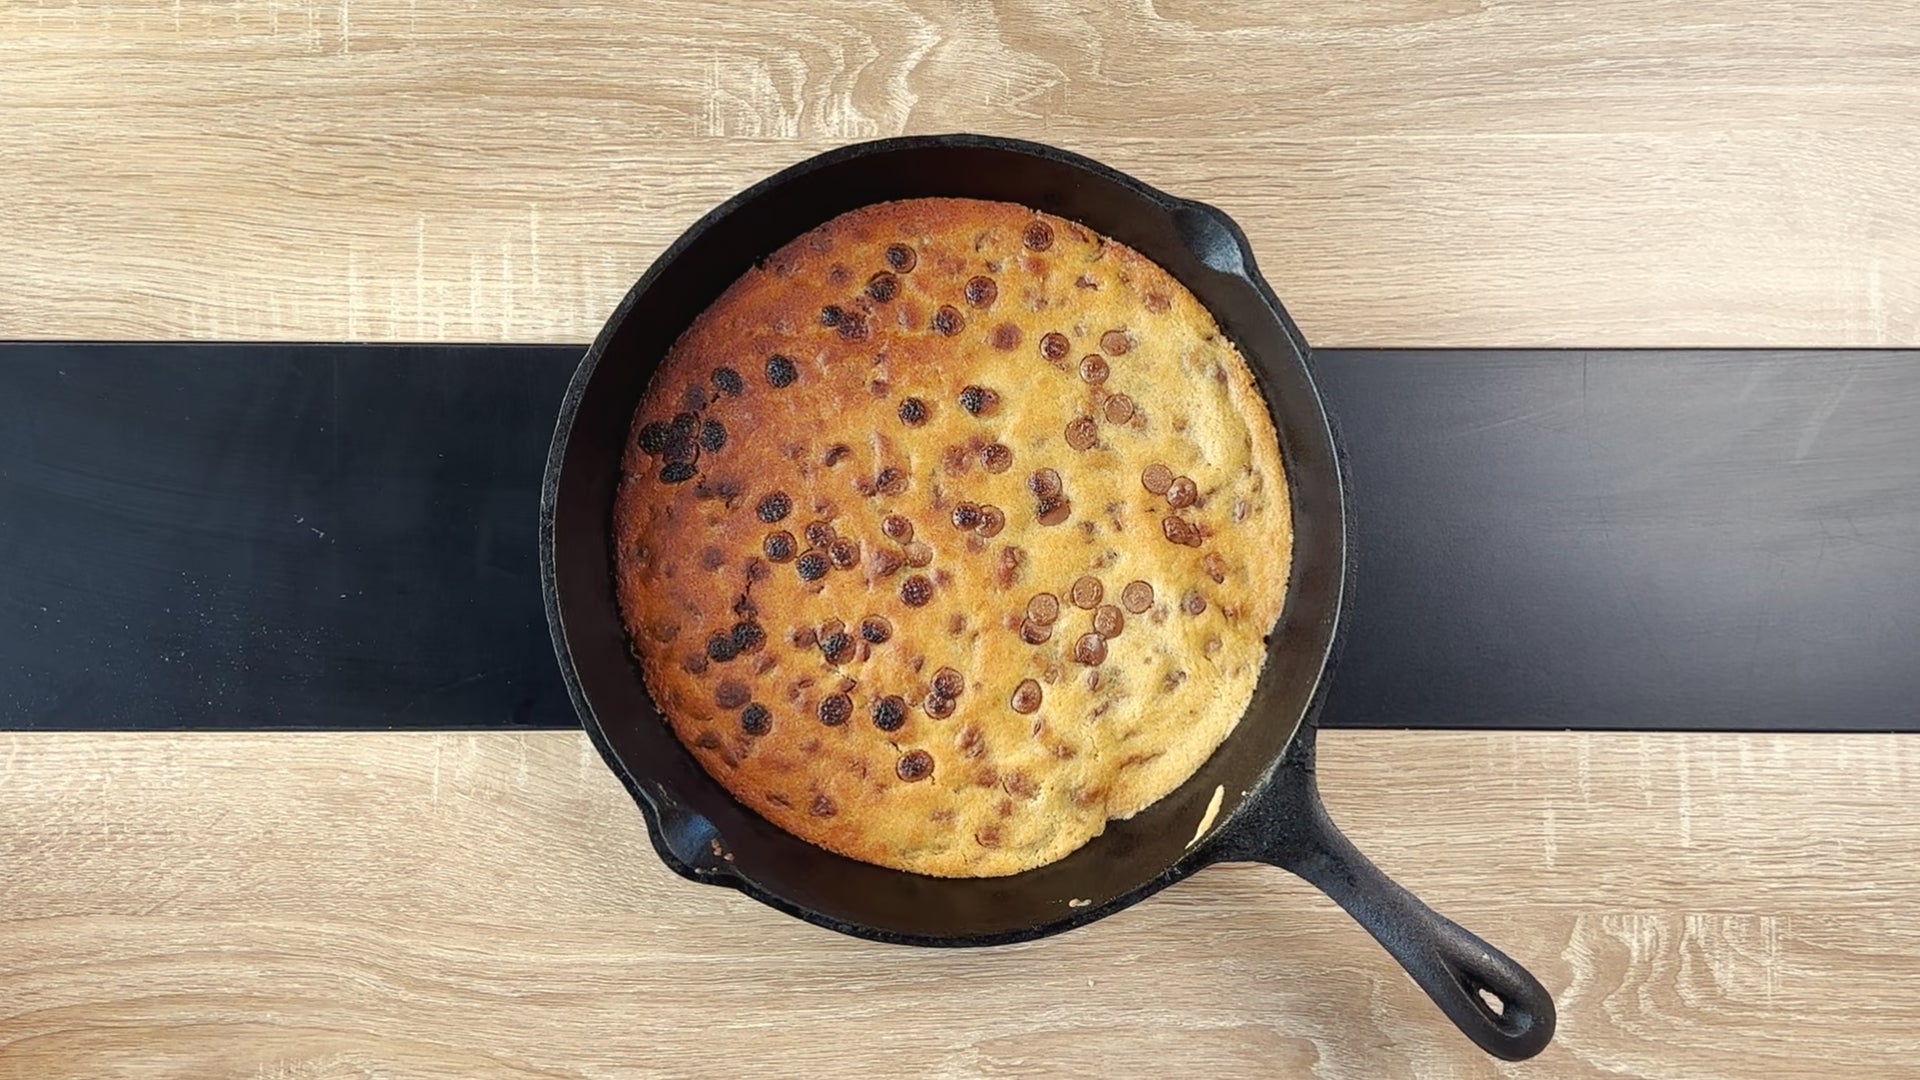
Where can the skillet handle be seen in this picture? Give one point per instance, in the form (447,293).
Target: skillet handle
(1454,966)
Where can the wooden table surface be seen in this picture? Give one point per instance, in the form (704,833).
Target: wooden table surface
(1432,172)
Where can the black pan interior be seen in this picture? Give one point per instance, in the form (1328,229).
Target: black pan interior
(698,828)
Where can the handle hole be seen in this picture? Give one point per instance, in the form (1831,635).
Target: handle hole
(1492,1002)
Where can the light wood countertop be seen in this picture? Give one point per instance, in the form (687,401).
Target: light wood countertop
(1417,172)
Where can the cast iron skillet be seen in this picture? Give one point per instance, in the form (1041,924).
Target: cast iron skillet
(1270,809)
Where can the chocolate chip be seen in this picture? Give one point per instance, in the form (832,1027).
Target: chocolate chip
(812,566)
(978,400)
(1108,622)
(774,506)
(1119,409)
(890,713)
(1137,597)
(654,438)
(832,315)
(1179,530)
(731,694)
(1157,302)
(836,454)
(1054,346)
(756,720)
(914,765)
(913,412)
(720,648)
(728,382)
(996,458)
(1005,337)
(875,630)
(891,480)
(992,520)
(966,516)
(713,436)
(916,591)
(938,707)
(837,646)
(835,709)
(1038,235)
(748,637)
(1052,511)
(883,287)
(1182,493)
(695,664)
(1082,434)
(853,326)
(1043,609)
(844,553)
(948,683)
(1215,566)
(1034,633)
(823,807)
(803,637)
(884,563)
(1093,369)
(1193,603)
(919,553)
(780,372)
(1026,697)
(676,472)
(1044,483)
(1090,650)
(901,257)
(1086,593)
(1115,343)
(981,292)
(1156,478)
(897,528)
(948,321)
(819,534)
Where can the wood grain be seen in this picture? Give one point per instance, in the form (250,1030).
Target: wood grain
(456,905)
(1412,172)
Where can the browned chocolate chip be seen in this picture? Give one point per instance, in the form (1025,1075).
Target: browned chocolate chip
(1157,478)
(713,436)
(978,400)
(966,515)
(836,709)
(891,480)
(836,646)
(823,806)
(1215,566)
(919,553)
(1108,622)
(992,520)
(914,765)
(781,372)
(1082,434)
(1026,697)
(756,720)
(948,321)
(1182,493)
(996,458)
(1043,608)
(731,694)
(1115,342)
(883,287)
(1090,650)
(1137,597)
(676,472)
(728,382)
(844,552)
(981,292)
(913,412)
(1119,409)
(916,591)
(1034,633)
(1006,337)
(897,529)
(748,637)
(876,630)
(1094,369)
(720,648)
(948,683)
(1086,593)
(1044,483)
(1193,603)
(1055,346)
(1038,235)
(654,438)
(774,506)
(1052,511)
(890,713)
(1179,530)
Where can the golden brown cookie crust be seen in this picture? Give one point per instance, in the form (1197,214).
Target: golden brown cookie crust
(1054,419)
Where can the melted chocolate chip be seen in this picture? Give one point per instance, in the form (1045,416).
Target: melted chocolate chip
(914,765)
(948,683)
(1086,593)
(1158,302)
(853,327)
(1108,622)
(916,591)
(1215,566)
(966,516)
(844,553)
(835,709)
(1044,483)
(655,437)
(731,694)
(978,400)
(713,436)
(1043,609)
(981,292)
(1094,369)
(1082,434)
(1090,650)
(919,553)
(913,412)
(748,637)
(728,382)
(837,647)
(1034,633)
(897,528)
(1180,531)
(774,506)
(996,458)
(1115,343)
(812,566)
(819,534)
(883,287)
(948,321)
(901,257)
(836,454)
(1193,603)
(823,807)
(756,720)
(1054,346)
(1026,697)
(720,648)
(890,713)
(1137,597)
(884,563)
(1005,337)
(876,630)
(1038,235)
(1052,511)
(1156,478)
(1119,409)
(891,480)
(938,707)
(1182,493)
(992,520)
(780,372)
